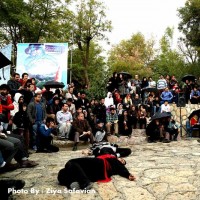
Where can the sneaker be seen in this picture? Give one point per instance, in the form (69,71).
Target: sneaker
(9,167)
(75,185)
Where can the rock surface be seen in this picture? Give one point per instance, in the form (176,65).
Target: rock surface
(163,171)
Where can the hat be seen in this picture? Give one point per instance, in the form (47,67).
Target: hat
(4,86)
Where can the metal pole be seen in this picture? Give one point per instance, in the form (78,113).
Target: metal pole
(180,122)
(71,58)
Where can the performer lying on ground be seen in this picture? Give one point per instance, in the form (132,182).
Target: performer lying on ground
(102,148)
(80,172)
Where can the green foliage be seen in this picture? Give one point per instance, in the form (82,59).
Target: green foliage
(169,61)
(134,56)
(89,24)
(96,71)
(33,21)
(190,22)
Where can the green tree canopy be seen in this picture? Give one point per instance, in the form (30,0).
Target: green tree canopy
(134,55)
(89,24)
(190,22)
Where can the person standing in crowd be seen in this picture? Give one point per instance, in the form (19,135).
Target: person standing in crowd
(21,121)
(14,84)
(6,103)
(133,116)
(137,83)
(24,79)
(172,82)
(37,115)
(137,101)
(122,86)
(127,101)
(53,108)
(64,119)
(142,114)
(151,82)
(125,127)
(195,96)
(71,105)
(113,83)
(109,101)
(83,102)
(28,93)
(117,98)
(100,111)
(70,94)
(161,83)
(18,99)
(187,90)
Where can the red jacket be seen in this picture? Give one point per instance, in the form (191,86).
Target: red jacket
(193,121)
(7,107)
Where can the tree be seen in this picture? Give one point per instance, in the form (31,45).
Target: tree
(89,24)
(96,72)
(134,55)
(169,61)
(190,22)
(32,21)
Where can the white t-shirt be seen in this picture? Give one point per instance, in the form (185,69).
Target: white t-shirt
(165,108)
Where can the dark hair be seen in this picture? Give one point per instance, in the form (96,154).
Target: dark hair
(69,99)
(15,74)
(63,103)
(49,119)
(24,74)
(36,94)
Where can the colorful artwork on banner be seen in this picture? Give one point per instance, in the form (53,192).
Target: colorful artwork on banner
(5,72)
(43,61)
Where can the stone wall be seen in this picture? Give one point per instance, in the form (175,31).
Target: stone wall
(185,112)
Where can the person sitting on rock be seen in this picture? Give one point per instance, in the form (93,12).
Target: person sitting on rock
(81,130)
(99,131)
(64,119)
(80,172)
(45,137)
(12,147)
(112,122)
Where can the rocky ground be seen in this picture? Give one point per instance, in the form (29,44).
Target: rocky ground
(164,171)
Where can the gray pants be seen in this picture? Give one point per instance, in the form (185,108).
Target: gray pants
(11,147)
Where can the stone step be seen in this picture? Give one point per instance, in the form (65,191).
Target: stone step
(138,137)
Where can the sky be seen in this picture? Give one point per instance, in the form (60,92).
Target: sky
(150,17)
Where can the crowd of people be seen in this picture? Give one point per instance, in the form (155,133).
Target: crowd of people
(31,117)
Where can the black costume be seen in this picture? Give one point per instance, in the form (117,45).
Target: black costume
(86,170)
(103,148)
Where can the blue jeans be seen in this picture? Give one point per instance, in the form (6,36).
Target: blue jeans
(35,127)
